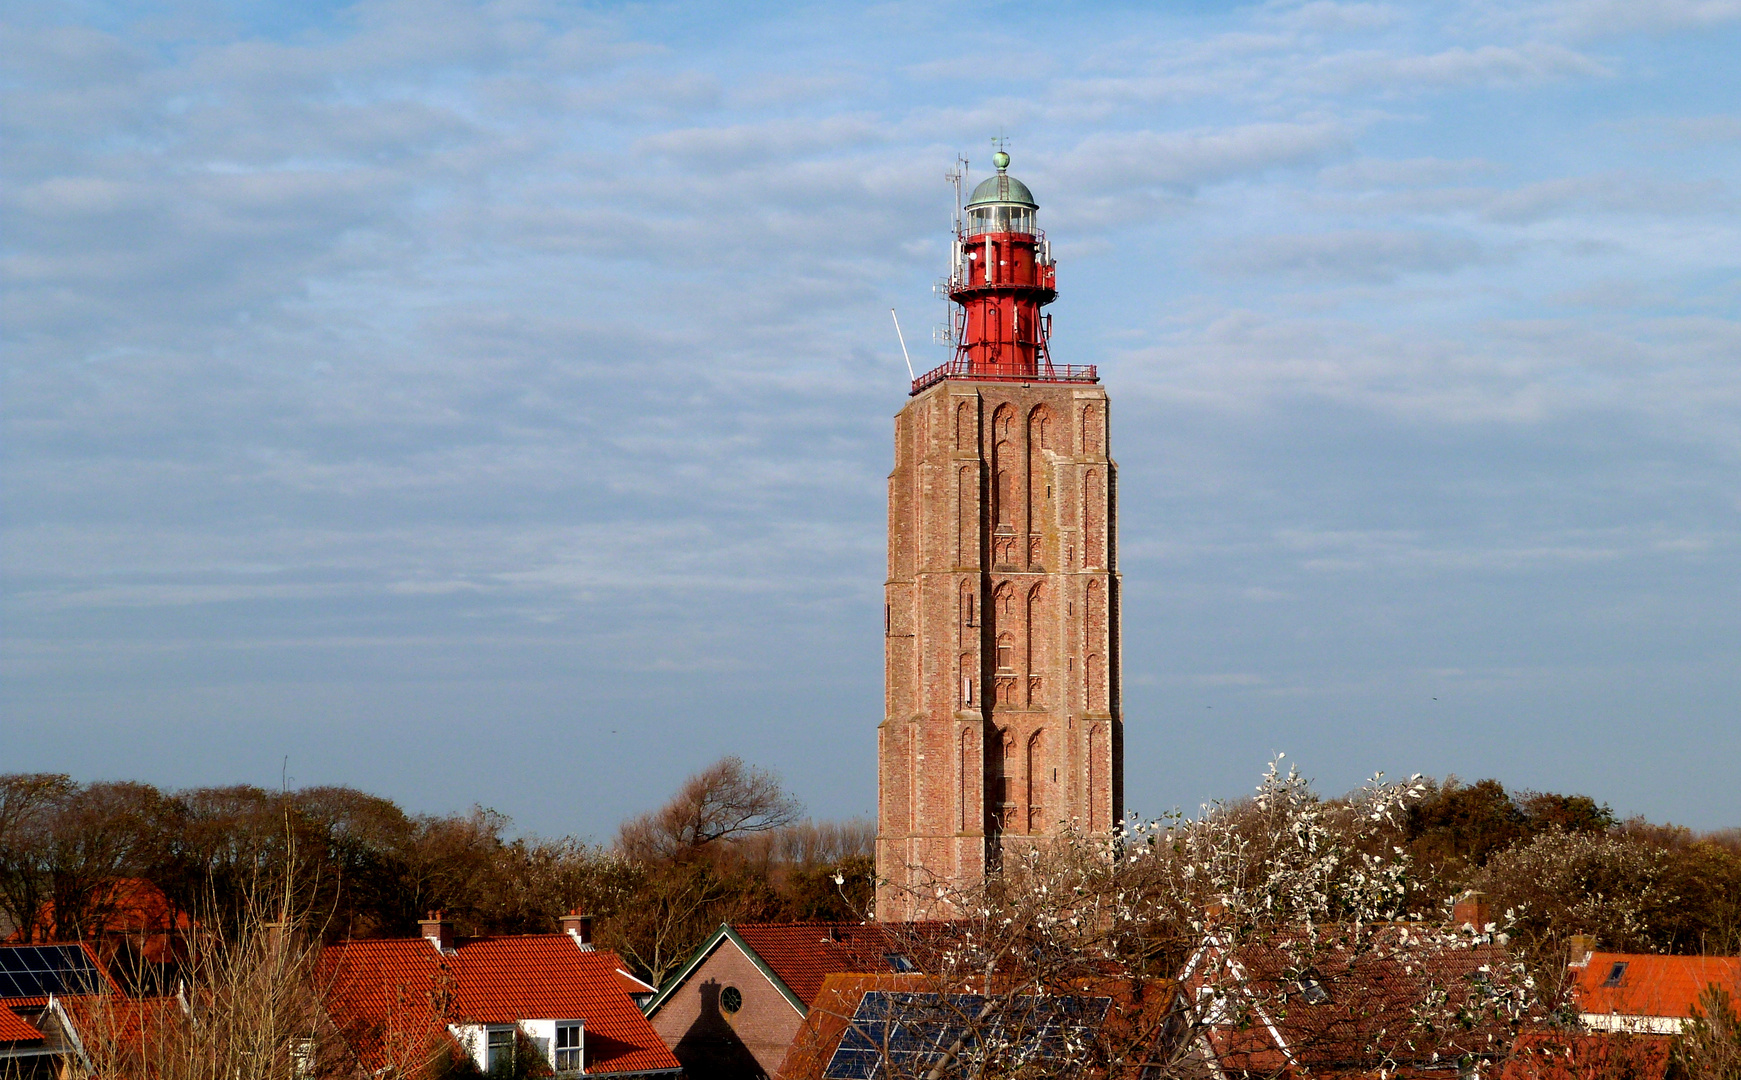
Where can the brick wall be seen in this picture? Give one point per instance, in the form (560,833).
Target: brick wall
(1002,683)
(713,1043)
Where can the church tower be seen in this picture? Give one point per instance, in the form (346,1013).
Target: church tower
(1002,717)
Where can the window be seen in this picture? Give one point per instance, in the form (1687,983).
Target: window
(731,999)
(1615,974)
(899,962)
(568,1047)
(1313,990)
(499,1051)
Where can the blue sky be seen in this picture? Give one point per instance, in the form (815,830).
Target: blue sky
(490,403)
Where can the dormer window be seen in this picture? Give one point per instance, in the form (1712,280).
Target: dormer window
(1313,990)
(569,1055)
(499,1050)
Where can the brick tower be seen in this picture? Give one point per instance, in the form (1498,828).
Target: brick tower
(1001,715)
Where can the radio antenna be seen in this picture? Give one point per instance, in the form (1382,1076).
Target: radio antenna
(903,339)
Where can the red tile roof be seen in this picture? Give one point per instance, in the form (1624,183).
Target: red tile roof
(131,908)
(1652,985)
(1137,1015)
(123,1021)
(15,1028)
(1369,1015)
(1561,1055)
(831,1009)
(382,993)
(803,954)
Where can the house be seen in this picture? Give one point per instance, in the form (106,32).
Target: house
(401,1002)
(863,1026)
(128,918)
(1645,994)
(1575,1055)
(37,984)
(733,1009)
(1400,999)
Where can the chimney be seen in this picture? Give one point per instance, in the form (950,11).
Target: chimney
(282,938)
(1578,949)
(438,930)
(579,927)
(1471,910)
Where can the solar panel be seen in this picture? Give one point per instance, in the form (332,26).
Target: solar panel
(914,1032)
(40,970)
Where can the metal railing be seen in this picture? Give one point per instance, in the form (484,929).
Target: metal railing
(1044,372)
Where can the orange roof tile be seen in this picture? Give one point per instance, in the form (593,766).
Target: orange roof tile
(130,907)
(402,988)
(15,1028)
(1651,985)
(122,1020)
(1562,1055)
(803,954)
(831,1010)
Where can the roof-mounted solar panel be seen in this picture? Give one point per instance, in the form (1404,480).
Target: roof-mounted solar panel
(28,971)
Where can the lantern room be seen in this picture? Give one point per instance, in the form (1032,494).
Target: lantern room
(1001,274)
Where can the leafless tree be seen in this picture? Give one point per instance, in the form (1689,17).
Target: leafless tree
(726,801)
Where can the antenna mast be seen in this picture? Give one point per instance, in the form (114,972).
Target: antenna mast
(958,177)
(903,339)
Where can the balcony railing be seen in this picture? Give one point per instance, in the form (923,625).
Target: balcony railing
(1044,372)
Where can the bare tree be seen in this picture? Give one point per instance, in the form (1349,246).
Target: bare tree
(726,801)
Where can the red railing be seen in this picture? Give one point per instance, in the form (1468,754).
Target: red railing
(1045,372)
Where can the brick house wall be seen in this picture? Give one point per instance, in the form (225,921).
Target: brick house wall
(714,1043)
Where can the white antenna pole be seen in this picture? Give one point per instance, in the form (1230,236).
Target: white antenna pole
(903,340)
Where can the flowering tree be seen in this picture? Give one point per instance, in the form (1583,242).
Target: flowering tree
(1268,936)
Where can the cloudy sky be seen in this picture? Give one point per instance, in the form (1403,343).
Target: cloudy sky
(490,403)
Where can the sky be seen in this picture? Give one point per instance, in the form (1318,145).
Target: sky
(490,403)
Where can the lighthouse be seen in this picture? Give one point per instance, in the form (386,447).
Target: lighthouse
(1002,725)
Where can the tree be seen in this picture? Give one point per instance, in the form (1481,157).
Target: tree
(1288,914)
(726,801)
(1709,1045)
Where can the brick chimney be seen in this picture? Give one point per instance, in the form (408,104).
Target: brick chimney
(283,938)
(579,927)
(1471,910)
(438,930)
(1578,949)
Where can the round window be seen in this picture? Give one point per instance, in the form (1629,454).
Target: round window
(731,999)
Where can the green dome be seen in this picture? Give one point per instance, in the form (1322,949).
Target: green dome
(1002,188)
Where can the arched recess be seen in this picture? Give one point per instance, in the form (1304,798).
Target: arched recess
(1093,520)
(1039,441)
(1035,660)
(1006,782)
(967,540)
(964,433)
(1096,683)
(1035,775)
(1099,762)
(966,673)
(1095,642)
(1004,464)
(1004,604)
(966,612)
(964,781)
(1090,430)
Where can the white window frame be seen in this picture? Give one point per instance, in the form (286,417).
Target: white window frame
(576,1053)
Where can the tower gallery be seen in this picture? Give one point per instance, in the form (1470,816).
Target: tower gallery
(1001,717)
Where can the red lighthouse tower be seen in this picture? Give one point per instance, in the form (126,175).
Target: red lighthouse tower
(1001,274)
(1003,725)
